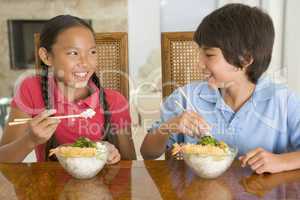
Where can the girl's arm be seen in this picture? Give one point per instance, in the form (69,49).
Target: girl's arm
(125,144)
(18,141)
(15,143)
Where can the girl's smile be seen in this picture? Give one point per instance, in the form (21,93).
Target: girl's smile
(74,57)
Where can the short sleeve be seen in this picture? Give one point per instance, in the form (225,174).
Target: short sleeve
(119,108)
(27,94)
(294,121)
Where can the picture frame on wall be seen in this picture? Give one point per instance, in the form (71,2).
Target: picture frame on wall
(21,41)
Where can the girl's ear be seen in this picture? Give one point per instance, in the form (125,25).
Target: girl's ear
(44,56)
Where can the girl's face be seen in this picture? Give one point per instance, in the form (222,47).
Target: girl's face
(73,56)
(221,74)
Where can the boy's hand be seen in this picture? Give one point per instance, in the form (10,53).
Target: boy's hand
(262,161)
(189,123)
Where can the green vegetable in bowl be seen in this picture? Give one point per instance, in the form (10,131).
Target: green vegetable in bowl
(83,142)
(205,140)
(209,140)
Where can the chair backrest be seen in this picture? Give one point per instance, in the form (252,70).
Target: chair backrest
(180,58)
(112,60)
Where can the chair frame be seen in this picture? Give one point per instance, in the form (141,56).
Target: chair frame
(166,39)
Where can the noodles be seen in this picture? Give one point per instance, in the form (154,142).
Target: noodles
(73,152)
(207,148)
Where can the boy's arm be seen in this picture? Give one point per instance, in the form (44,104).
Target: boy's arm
(291,161)
(154,144)
(158,138)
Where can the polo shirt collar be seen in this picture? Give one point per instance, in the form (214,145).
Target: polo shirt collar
(208,94)
(264,91)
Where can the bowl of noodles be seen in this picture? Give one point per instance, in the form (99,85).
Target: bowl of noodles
(82,159)
(208,158)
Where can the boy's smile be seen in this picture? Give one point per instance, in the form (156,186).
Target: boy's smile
(218,72)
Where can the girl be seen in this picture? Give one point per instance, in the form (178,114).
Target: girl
(237,103)
(67,85)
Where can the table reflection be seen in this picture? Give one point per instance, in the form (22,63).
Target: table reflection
(208,190)
(175,180)
(7,190)
(92,189)
(143,180)
(51,181)
(285,185)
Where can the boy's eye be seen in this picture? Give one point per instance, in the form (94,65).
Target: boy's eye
(209,55)
(73,53)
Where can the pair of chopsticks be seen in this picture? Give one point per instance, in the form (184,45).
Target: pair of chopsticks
(183,109)
(187,100)
(25,120)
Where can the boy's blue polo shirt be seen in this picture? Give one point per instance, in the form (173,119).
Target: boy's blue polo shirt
(269,119)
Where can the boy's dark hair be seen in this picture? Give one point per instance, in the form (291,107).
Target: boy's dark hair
(242,33)
(49,34)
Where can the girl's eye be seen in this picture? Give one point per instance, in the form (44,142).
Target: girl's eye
(93,52)
(72,53)
(209,55)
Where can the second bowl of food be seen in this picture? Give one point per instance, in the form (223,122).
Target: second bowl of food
(209,158)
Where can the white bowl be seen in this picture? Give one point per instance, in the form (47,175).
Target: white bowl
(207,166)
(83,167)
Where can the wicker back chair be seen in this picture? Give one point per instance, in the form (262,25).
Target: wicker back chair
(112,60)
(180,58)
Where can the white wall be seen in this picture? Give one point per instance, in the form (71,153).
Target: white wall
(276,9)
(144,62)
(178,15)
(143,31)
(292,44)
(248,2)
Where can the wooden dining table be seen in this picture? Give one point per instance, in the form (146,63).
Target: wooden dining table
(156,179)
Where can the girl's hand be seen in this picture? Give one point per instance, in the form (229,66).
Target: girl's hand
(41,127)
(262,161)
(189,123)
(113,154)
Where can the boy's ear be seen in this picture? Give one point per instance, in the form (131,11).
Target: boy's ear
(246,60)
(44,56)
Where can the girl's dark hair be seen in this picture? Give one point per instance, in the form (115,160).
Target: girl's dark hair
(48,37)
(242,33)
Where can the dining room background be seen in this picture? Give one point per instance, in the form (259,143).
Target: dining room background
(144,21)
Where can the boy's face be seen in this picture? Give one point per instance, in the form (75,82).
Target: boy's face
(220,73)
(73,56)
